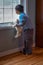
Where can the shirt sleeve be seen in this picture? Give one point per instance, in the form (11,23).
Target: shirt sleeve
(22,20)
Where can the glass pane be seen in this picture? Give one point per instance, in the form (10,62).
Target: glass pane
(1,15)
(15,16)
(7,15)
(1,3)
(7,3)
(15,2)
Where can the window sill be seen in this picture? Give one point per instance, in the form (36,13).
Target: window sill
(6,26)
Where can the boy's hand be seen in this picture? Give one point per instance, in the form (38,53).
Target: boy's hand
(17,25)
(17,21)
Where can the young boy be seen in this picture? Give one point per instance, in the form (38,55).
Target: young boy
(20,22)
(25,24)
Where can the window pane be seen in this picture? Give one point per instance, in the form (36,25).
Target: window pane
(15,16)
(1,3)
(7,15)
(7,10)
(15,2)
(1,15)
(7,3)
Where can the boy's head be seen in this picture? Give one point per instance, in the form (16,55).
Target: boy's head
(19,9)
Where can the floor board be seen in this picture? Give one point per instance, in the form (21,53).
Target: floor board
(19,59)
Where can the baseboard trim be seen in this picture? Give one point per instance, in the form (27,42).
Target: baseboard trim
(10,52)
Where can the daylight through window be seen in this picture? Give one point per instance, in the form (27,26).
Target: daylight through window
(7,10)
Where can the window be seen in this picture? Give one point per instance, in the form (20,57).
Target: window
(7,10)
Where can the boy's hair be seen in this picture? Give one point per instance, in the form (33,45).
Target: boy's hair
(20,8)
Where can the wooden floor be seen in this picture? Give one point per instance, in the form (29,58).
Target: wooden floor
(19,59)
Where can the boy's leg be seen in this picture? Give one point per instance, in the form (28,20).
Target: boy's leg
(28,41)
(18,32)
(25,47)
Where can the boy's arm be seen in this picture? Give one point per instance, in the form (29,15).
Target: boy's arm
(22,22)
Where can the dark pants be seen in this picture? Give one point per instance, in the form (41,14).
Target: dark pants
(28,40)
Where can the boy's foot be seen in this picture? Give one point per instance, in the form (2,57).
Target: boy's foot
(20,51)
(25,52)
(18,35)
(29,53)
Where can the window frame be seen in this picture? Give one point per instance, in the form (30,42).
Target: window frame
(8,8)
